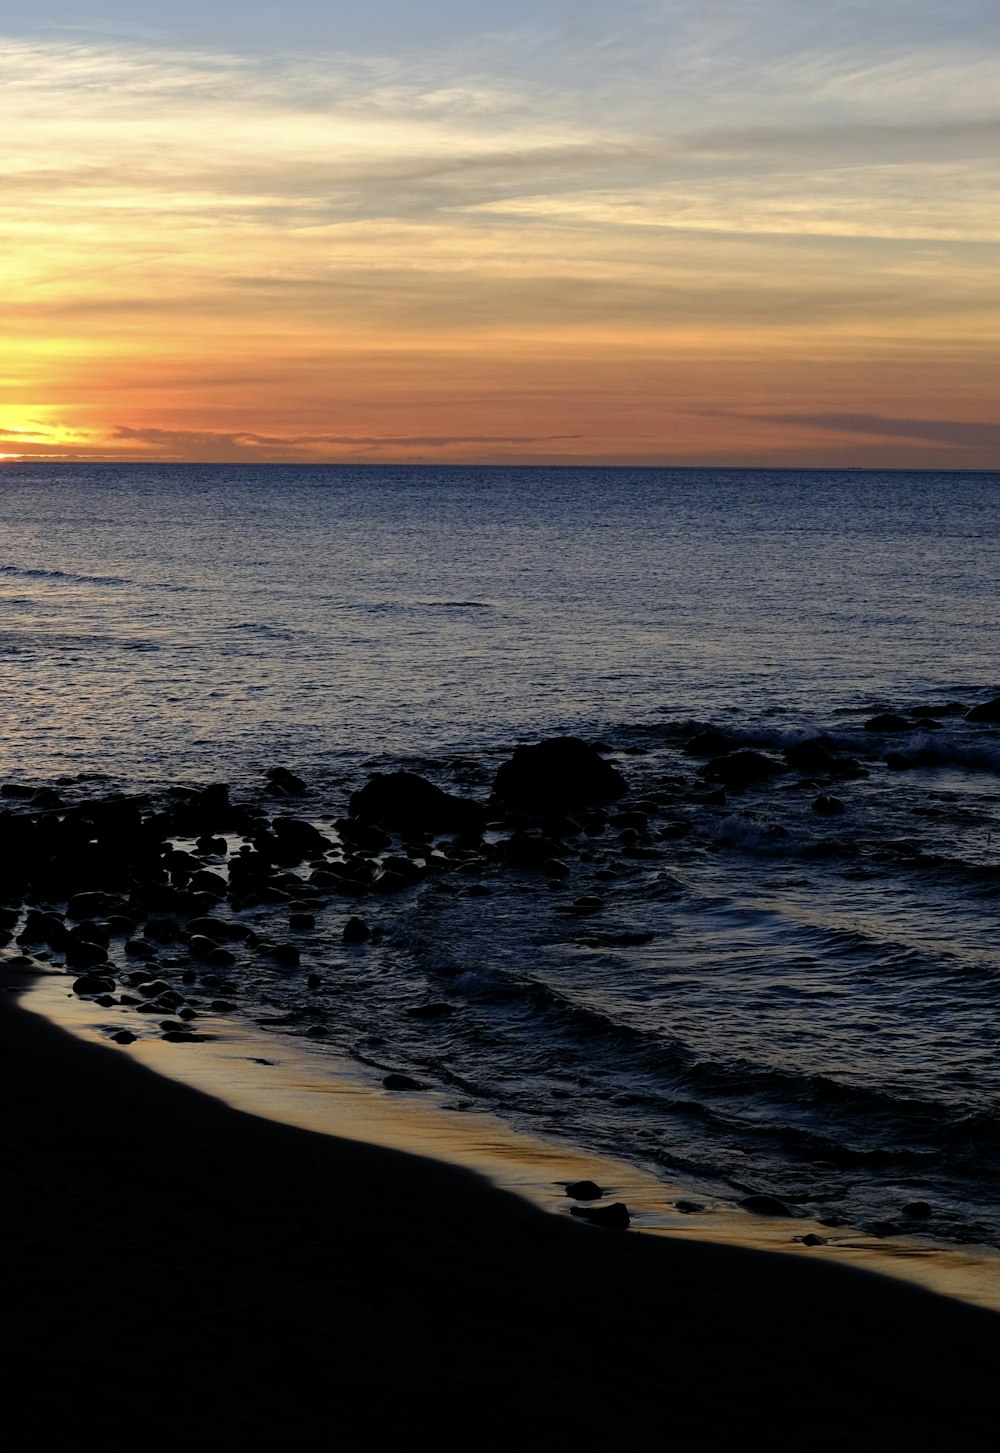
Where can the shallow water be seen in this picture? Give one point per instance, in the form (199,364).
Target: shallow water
(813,1008)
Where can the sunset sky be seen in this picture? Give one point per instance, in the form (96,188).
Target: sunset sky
(748,232)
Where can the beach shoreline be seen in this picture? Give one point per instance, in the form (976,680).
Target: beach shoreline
(279,1079)
(230,1281)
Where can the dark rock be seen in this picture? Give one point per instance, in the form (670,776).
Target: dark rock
(988,711)
(222,958)
(356,930)
(301,921)
(406,802)
(766,1206)
(89,933)
(285,954)
(888,721)
(812,1240)
(205,881)
(709,743)
(918,1210)
(809,756)
(93,905)
(614,1217)
(437,1010)
(46,799)
(689,1208)
(201,947)
(588,904)
(83,955)
(401,1082)
(404,868)
(124,1036)
(557,775)
(136,948)
(90,984)
(298,840)
(282,783)
(743,767)
(119,925)
(584,1191)
(828,806)
(184,1036)
(153,988)
(44,928)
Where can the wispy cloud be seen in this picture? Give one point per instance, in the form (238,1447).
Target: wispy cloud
(245,443)
(674,180)
(962,433)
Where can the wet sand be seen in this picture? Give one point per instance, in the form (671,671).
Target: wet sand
(181,1273)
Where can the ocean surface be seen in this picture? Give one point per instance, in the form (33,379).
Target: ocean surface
(769,1000)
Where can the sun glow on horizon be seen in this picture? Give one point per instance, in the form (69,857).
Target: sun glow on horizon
(713,250)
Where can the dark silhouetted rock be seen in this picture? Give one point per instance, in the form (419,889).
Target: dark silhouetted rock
(437,1010)
(812,1239)
(301,921)
(356,930)
(918,1210)
(828,806)
(766,1206)
(689,1208)
(405,802)
(709,743)
(887,721)
(83,955)
(810,756)
(205,881)
(401,1082)
(297,840)
(90,984)
(153,988)
(614,1217)
(557,775)
(282,783)
(584,1191)
(743,767)
(94,905)
(988,711)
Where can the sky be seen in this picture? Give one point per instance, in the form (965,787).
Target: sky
(731,232)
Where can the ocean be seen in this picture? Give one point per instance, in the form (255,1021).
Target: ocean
(762,998)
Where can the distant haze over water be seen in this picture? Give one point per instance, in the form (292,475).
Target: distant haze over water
(770,1000)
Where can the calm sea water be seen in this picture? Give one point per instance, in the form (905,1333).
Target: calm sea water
(813,1009)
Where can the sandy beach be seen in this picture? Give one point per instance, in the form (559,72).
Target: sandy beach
(181,1272)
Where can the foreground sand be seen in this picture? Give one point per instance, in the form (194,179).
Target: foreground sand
(180,1274)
